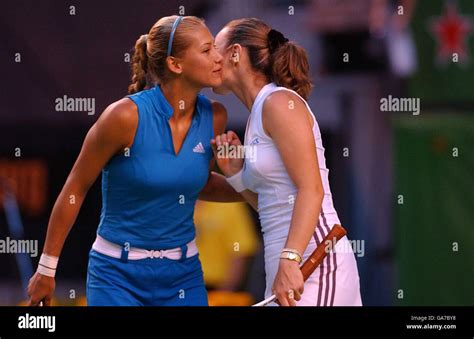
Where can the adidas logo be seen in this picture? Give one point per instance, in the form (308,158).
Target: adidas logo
(255,141)
(199,148)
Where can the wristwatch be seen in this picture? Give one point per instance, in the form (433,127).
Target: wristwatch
(291,256)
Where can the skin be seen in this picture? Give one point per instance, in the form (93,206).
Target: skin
(199,67)
(292,133)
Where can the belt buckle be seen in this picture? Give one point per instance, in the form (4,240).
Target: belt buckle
(152,254)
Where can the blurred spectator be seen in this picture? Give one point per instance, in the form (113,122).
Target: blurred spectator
(355,15)
(363,35)
(227,241)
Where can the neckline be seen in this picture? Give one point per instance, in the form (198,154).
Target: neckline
(165,108)
(260,94)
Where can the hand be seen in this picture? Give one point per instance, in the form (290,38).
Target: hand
(41,288)
(289,283)
(228,152)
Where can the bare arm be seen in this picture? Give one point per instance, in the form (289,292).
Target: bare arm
(251,198)
(291,130)
(217,189)
(112,132)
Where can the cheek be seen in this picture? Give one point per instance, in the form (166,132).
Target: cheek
(195,71)
(202,66)
(197,64)
(226,73)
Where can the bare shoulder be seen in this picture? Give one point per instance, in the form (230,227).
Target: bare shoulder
(119,121)
(284,109)
(282,101)
(123,113)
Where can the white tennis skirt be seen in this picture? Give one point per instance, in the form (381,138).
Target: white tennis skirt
(334,283)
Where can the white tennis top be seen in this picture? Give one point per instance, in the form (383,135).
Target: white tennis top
(265,173)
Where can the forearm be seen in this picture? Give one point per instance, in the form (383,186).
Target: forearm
(218,189)
(62,218)
(305,215)
(251,198)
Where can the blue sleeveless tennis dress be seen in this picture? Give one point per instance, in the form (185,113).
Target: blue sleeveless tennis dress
(148,198)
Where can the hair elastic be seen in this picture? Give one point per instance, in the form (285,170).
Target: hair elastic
(275,40)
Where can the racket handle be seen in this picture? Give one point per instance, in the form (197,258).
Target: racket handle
(266,301)
(317,257)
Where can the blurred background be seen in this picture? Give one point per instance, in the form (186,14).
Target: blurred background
(402,181)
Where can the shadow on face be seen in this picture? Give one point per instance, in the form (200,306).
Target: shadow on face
(228,66)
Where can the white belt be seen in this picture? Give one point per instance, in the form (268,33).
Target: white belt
(115,251)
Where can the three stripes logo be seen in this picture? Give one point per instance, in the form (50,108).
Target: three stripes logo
(199,148)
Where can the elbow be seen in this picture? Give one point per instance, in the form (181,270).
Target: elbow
(313,192)
(76,187)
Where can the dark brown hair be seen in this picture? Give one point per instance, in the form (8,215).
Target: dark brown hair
(149,59)
(287,65)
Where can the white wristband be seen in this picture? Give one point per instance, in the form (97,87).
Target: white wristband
(236,181)
(47,265)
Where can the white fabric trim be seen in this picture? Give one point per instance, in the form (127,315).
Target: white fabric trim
(115,251)
(47,265)
(236,181)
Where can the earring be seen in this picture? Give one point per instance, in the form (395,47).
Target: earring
(235,57)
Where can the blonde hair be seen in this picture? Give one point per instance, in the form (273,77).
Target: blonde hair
(149,59)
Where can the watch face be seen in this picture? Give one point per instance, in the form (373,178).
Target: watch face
(291,256)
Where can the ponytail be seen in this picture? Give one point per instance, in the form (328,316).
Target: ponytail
(270,53)
(290,68)
(139,65)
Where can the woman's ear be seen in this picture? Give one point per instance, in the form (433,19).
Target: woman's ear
(236,52)
(173,65)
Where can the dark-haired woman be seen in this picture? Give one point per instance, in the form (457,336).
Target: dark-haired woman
(154,151)
(270,75)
